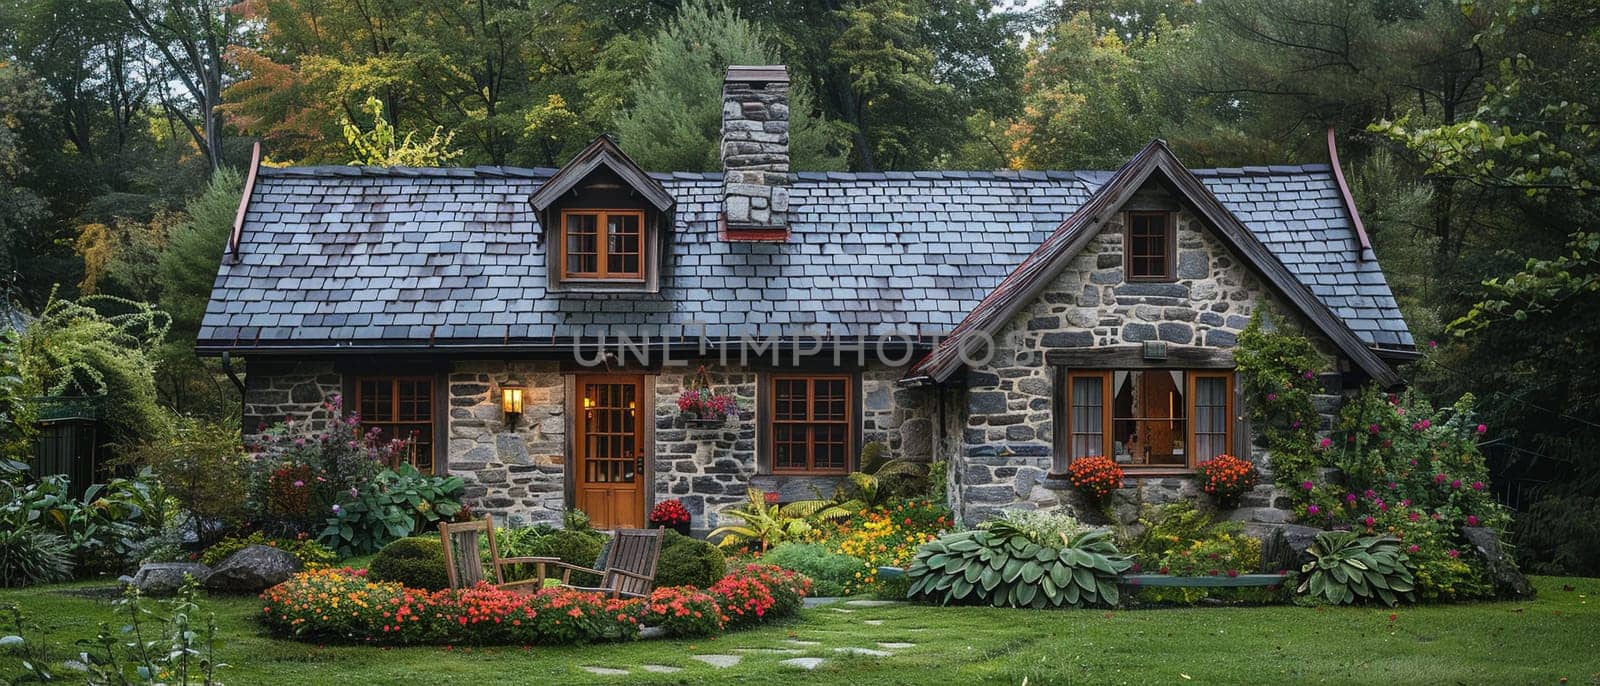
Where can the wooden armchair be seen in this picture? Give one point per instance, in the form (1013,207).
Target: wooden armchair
(630,564)
(463,559)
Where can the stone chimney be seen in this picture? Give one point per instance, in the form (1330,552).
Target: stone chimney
(755,152)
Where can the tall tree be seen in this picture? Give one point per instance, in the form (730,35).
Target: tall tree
(190,38)
(676,119)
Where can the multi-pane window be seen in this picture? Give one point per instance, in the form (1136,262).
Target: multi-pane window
(1150,246)
(602,244)
(400,408)
(1157,418)
(811,424)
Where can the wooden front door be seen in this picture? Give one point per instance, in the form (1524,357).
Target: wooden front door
(609,449)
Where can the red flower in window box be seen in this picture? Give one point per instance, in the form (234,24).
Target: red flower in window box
(670,514)
(1226,478)
(1096,477)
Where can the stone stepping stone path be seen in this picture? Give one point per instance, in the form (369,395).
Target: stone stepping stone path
(873,603)
(803,644)
(775,651)
(840,609)
(867,652)
(896,645)
(719,661)
(606,671)
(806,663)
(660,669)
(873,622)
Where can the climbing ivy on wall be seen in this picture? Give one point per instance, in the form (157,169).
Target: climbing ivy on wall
(1278,369)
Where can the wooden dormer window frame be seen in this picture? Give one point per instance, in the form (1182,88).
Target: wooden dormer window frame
(596,264)
(1141,259)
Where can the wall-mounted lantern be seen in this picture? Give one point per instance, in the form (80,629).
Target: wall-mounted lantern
(511,402)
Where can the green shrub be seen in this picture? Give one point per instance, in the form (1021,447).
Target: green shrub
(1346,568)
(1560,534)
(30,555)
(416,562)
(1000,566)
(573,547)
(311,553)
(831,573)
(687,561)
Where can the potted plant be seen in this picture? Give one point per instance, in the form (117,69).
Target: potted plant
(670,514)
(1096,477)
(698,405)
(1226,478)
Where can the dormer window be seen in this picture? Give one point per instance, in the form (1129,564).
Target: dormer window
(605,245)
(1151,246)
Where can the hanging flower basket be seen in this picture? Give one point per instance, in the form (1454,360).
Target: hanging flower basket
(699,406)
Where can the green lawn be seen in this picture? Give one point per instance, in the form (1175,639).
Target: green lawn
(1538,642)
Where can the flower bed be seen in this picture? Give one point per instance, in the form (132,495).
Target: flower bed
(343,605)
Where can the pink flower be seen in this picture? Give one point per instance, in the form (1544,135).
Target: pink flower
(1433,344)
(1455,484)
(1412,548)
(1369,521)
(1477,485)
(1271,397)
(1326,442)
(1371,493)
(1414,516)
(1405,503)
(1313,509)
(299,484)
(1308,485)
(1350,498)
(1294,424)
(1310,375)
(1440,478)
(1483,429)
(1373,429)
(1472,520)
(1453,553)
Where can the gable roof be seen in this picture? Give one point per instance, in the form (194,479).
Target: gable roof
(601,152)
(1044,264)
(349,258)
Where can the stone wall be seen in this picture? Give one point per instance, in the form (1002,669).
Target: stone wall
(1006,443)
(707,467)
(515,473)
(275,391)
(755,152)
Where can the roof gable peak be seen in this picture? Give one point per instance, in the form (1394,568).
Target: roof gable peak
(602,152)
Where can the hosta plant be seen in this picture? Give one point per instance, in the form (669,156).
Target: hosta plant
(1001,566)
(1346,568)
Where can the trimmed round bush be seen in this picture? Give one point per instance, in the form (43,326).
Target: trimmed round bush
(573,547)
(416,562)
(831,573)
(687,561)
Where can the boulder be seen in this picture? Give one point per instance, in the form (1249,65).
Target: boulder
(1497,564)
(1283,546)
(165,578)
(253,569)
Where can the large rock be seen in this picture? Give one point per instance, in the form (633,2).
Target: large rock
(1502,570)
(253,569)
(1283,546)
(165,578)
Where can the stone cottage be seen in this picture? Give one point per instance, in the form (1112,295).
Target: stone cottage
(532,330)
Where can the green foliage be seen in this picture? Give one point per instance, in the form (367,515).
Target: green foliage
(1347,568)
(676,119)
(416,562)
(102,529)
(395,504)
(765,525)
(201,464)
(17,427)
(574,519)
(169,647)
(881,478)
(1000,566)
(30,555)
(381,146)
(310,553)
(1044,528)
(1278,371)
(687,561)
(77,349)
(831,573)
(1183,540)
(577,547)
(1561,534)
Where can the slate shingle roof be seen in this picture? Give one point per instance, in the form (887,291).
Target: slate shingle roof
(336,256)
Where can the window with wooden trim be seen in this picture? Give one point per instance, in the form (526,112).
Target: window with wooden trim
(399,408)
(1160,419)
(603,245)
(811,423)
(1151,246)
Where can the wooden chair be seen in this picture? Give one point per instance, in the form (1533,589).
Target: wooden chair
(463,559)
(629,559)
